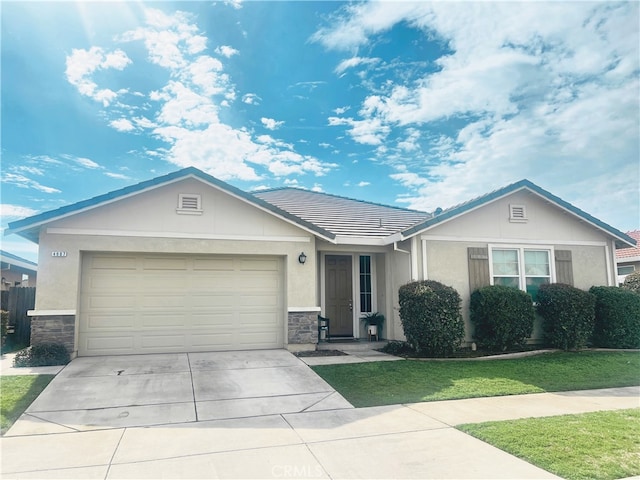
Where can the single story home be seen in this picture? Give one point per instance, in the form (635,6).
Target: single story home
(17,271)
(186,262)
(628,259)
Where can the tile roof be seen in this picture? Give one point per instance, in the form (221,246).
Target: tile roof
(633,252)
(622,239)
(344,217)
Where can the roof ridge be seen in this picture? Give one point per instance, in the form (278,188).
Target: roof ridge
(342,197)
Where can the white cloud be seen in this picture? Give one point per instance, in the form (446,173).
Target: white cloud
(547,91)
(364,184)
(15,211)
(270,123)
(226,51)
(21,181)
(251,99)
(341,110)
(118,176)
(237,4)
(122,125)
(354,62)
(81,64)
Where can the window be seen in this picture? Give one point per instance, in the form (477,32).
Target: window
(523,268)
(365,284)
(625,269)
(189,204)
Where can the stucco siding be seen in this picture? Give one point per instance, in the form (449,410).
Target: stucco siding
(545,222)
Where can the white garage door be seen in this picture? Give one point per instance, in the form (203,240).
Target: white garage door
(145,303)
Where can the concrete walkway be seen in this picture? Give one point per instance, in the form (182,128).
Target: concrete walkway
(398,441)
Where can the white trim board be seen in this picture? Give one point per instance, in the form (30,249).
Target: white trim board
(517,241)
(205,236)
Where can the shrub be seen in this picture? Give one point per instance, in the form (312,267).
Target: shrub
(568,313)
(632,282)
(431,318)
(4,324)
(503,317)
(395,347)
(42,355)
(617,318)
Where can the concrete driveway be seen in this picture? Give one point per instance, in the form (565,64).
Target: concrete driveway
(142,390)
(258,414)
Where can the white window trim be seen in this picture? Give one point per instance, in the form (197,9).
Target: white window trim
(521,248)
(189,211)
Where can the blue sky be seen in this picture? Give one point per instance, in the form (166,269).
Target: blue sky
(420,105)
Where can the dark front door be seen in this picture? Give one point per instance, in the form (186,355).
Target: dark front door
(338,294)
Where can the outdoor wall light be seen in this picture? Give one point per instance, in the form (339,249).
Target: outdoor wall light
(302,258)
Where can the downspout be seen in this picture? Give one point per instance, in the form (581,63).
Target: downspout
(414,259)
(396,249)
(425,271)
(609,255)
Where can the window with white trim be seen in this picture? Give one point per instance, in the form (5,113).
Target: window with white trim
(189,204)
(625,269)
(525,268)
(366,292)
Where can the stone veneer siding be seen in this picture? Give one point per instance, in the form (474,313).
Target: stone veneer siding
(303,327)
(53,329)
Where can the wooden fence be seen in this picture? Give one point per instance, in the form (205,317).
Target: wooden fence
(21,300)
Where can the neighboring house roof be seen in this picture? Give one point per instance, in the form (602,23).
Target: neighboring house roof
(630,254)
(29,227)
(344,217)
(7,258)
(622,240)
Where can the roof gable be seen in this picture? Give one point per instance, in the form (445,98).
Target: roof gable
(456,211)
(29,227)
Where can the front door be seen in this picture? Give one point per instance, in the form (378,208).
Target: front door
(338,295)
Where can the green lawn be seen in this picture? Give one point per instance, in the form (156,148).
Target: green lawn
(598,445)
(16,394)
(408,381)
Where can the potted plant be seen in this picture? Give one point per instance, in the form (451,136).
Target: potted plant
(373,322)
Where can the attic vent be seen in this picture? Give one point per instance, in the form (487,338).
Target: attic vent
(517,213)
(189,204)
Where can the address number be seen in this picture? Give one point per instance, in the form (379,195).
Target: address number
(58,254)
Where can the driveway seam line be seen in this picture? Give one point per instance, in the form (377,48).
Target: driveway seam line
(316,403)
(193,388)
(115,450)
(55,423)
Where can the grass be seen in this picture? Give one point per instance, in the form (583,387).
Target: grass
(408,381)
(16,394)
(598,445)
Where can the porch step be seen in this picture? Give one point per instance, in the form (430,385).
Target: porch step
(351,345)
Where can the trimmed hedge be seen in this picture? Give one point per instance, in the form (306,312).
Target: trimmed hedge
(617,318)
(503,317)
(42,355)
(632,282)
(431,317)
(568,313)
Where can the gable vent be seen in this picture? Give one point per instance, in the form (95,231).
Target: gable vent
(517,213)
(189,204)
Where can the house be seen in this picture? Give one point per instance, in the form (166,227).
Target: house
(628,259)
(186,262)
(17,271)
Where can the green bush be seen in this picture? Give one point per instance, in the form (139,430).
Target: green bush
(395,347)
(42,355)
(503,317)
(617,318)
(431,318)
(632,282)
(568,313)
(4,324)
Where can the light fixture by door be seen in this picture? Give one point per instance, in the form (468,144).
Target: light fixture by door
(302,258)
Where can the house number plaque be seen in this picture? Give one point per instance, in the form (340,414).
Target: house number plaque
(58,254)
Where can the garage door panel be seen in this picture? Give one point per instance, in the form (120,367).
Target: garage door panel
(143,303)
(113,320)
